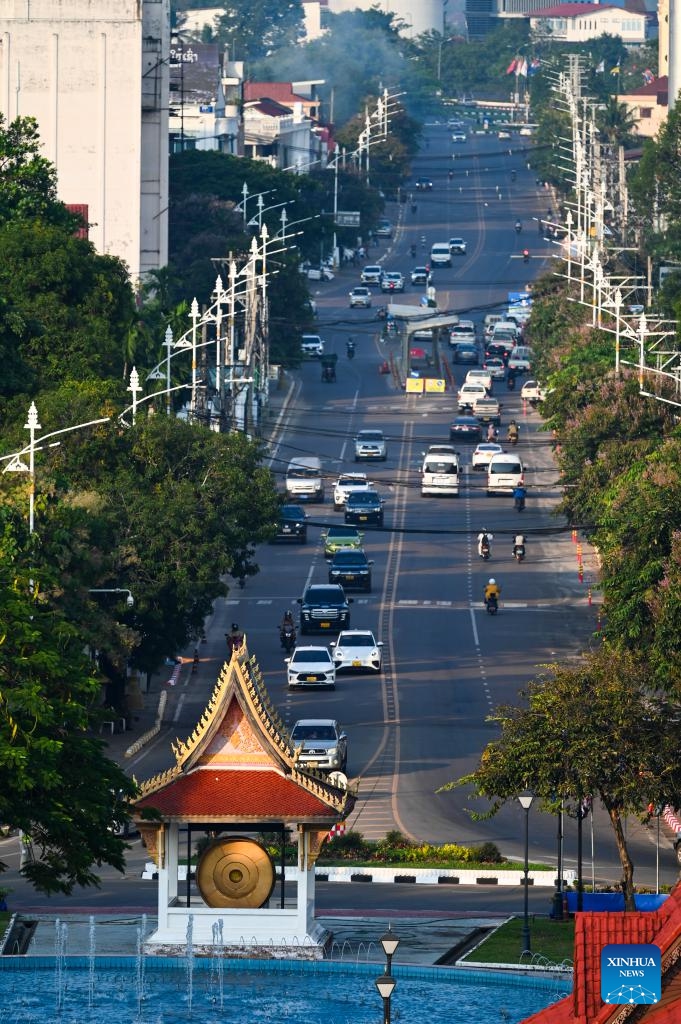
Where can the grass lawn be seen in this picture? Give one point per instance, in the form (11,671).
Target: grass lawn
(552,939)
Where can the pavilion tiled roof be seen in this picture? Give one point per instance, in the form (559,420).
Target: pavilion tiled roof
(240,765)
(595,930)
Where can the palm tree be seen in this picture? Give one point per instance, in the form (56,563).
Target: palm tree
(616,122)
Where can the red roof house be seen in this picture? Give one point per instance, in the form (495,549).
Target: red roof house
(593,931)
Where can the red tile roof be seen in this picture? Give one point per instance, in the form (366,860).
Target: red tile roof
(280,92)
(595,930)
(657,89)
(209,794)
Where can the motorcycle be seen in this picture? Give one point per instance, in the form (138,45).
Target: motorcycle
(526,256)
(519,552)
(518,227)
(512,438)
(412,251)
(350,349)
(510,383)
(287,637)
(234,641)
(492,605)
(485,550)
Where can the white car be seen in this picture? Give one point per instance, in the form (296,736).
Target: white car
(311,667)
(346,483)
(458,136)
(360,296)
(480,458)
(312,346)
(519,359)
(533,391)
(441,449)
(496,367)
(457,245)
(468,394)
(477,376)
(357,649)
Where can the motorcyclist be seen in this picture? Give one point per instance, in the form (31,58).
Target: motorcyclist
(450,174)
(526,255)
(412,250)
(492,590)
(519,544)
(484,542)
(513,432)
(510,380)
(518,226)
(350,347)
(492,433)
(287,626)
(519,494)
(234,638)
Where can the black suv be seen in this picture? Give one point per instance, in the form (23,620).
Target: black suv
(352,569)
(324,608)
(364,507)
(292,524)
(424,184)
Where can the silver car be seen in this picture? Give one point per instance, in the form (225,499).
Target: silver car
(322,744)
(370,444)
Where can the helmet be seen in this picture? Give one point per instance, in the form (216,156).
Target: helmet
(513,423)
(235,626)
(492,581)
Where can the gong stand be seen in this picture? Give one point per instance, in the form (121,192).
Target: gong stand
(252,831)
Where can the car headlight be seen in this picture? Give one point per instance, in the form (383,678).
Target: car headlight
(332,751)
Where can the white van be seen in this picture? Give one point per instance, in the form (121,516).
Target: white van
(440,474)
(441,255)
(504,473)
(304,480)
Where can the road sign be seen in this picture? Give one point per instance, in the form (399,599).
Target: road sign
(347,218)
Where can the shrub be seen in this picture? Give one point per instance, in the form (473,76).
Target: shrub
(487,853)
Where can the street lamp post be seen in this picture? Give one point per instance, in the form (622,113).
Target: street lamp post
(617,298)
(134,387)
(31,425)
(386,983)
(168,344)
(525,801)
(129,600)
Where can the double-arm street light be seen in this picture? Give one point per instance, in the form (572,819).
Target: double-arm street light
(525,801)
(386,983)
(129,600)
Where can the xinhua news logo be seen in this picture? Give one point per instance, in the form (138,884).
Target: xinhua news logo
(631,974)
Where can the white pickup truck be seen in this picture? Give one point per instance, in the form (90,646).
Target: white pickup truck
(532,391)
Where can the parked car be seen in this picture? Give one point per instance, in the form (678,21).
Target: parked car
(360,296)
(480,459)
(321,744)
(312,346)
(352,569)
(371,274)
(457,245)
(465,428)
(357,649)
(311,667)
(420,275)
(337,537)
(392,281)
(370,444)
(345,483)
(321,273)
(324,608)
(364,508)
(292,524)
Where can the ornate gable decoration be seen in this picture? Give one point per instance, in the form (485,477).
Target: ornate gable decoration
(241,729)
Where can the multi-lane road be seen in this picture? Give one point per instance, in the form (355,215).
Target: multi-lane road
(447,664)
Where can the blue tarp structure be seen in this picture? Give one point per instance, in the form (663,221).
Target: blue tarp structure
(614,901)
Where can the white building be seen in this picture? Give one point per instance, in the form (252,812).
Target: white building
(579,22)
(94,74)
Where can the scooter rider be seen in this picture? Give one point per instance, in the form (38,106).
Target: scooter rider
(287,626)
(412,250)
(484,542)
(519,544)
(492,432)
(492,591)
(519,493)
(513,432)
(350,347)
(518,226)
(234,638)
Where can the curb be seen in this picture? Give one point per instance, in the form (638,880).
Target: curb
(135,747)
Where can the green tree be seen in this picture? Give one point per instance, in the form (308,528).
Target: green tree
(616,122)
(252,28)
(28,182)
(59,788)
(592,732)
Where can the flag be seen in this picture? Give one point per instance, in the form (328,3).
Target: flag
(601,68)
(535,64)
(512,66)
(522,68)
(615,70)
(648,76)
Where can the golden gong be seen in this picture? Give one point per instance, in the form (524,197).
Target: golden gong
(235,873)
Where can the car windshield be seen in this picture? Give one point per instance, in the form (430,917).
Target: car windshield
(344,532)
(292,512)
(357,640)
(349,558)
(370,435)
(363,498)
(324,595)
(504,467)
(309,657)
(313,732)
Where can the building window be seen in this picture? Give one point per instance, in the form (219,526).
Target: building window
(645,112)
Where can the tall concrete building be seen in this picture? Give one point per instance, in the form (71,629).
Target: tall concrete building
(94,74)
